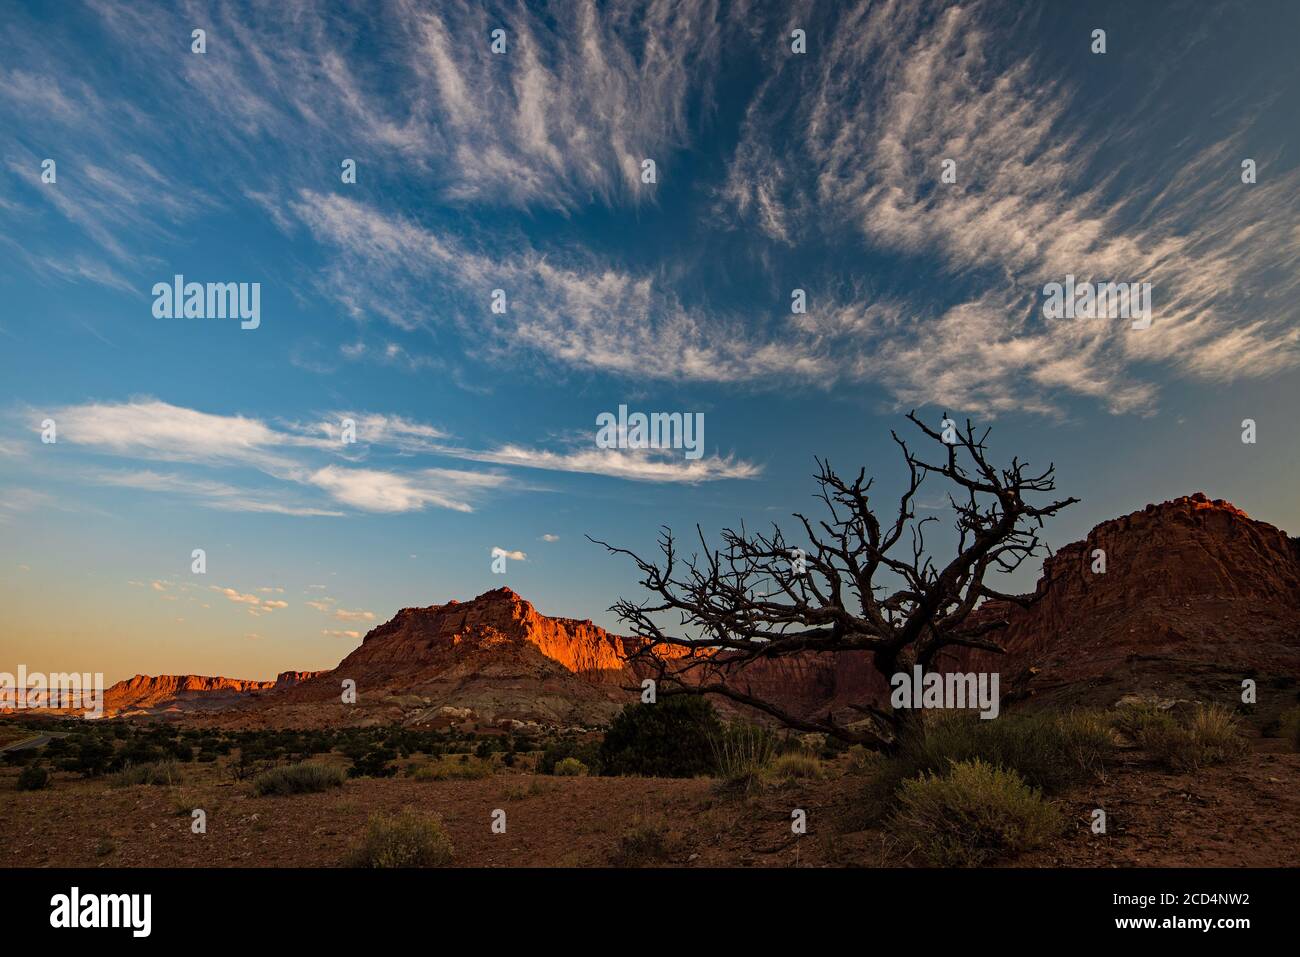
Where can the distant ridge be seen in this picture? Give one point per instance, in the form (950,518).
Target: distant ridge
(1195,597)
(146,694)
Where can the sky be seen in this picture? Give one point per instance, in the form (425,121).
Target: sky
(664,289)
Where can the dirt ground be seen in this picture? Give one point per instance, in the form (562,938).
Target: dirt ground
(1242,814)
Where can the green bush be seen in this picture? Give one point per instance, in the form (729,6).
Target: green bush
(161,773)
(1212,735)
(570,768)
(668,739)
(588,752)
(308,777)
(407,839)
(33,778)
(973,814)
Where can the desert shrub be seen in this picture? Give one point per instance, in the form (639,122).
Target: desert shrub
(517,790)
(94,756)
(137,753)
(250,763)
(33,778)
(184,802)
(796,765)
(863,760)
(160,773)
(588,752)
(668,739)
(1289,726)
(1133,719)
(642,845)
(1050,752)
(741,751)
(570,768)
(20,758)
(407,839)
(308,777)
(373,763)
(1212,735)
(973,814)
(446,769)
(832,747)
(181,751)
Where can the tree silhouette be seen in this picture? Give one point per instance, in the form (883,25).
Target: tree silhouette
(856,585)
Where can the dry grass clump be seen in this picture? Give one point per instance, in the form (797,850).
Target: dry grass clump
(161,773)
(795,766)
(741,753)
(1211,735)
(449,769)
(309,777)
(644,844)
(407,839)
(973,814)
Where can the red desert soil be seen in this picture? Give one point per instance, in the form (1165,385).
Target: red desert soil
(1239,815)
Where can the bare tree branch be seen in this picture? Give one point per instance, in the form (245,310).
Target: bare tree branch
(852,586)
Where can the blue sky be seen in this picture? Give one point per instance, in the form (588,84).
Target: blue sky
(775,171)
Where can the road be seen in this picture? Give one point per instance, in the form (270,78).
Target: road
(37,742)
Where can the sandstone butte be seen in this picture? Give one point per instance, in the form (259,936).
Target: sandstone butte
(145,692)
(1196,595)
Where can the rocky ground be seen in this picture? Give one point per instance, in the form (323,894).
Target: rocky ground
(1244,814)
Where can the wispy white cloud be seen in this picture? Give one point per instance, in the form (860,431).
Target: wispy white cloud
(345,614)
(254,605)
(14,500)
(391,431)
(565,117)
(857,135)
(374,490)
(330,606)
(579,313)
(217,495)
(153,429)
(650,465)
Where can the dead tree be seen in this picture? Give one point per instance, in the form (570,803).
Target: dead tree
(855,586)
